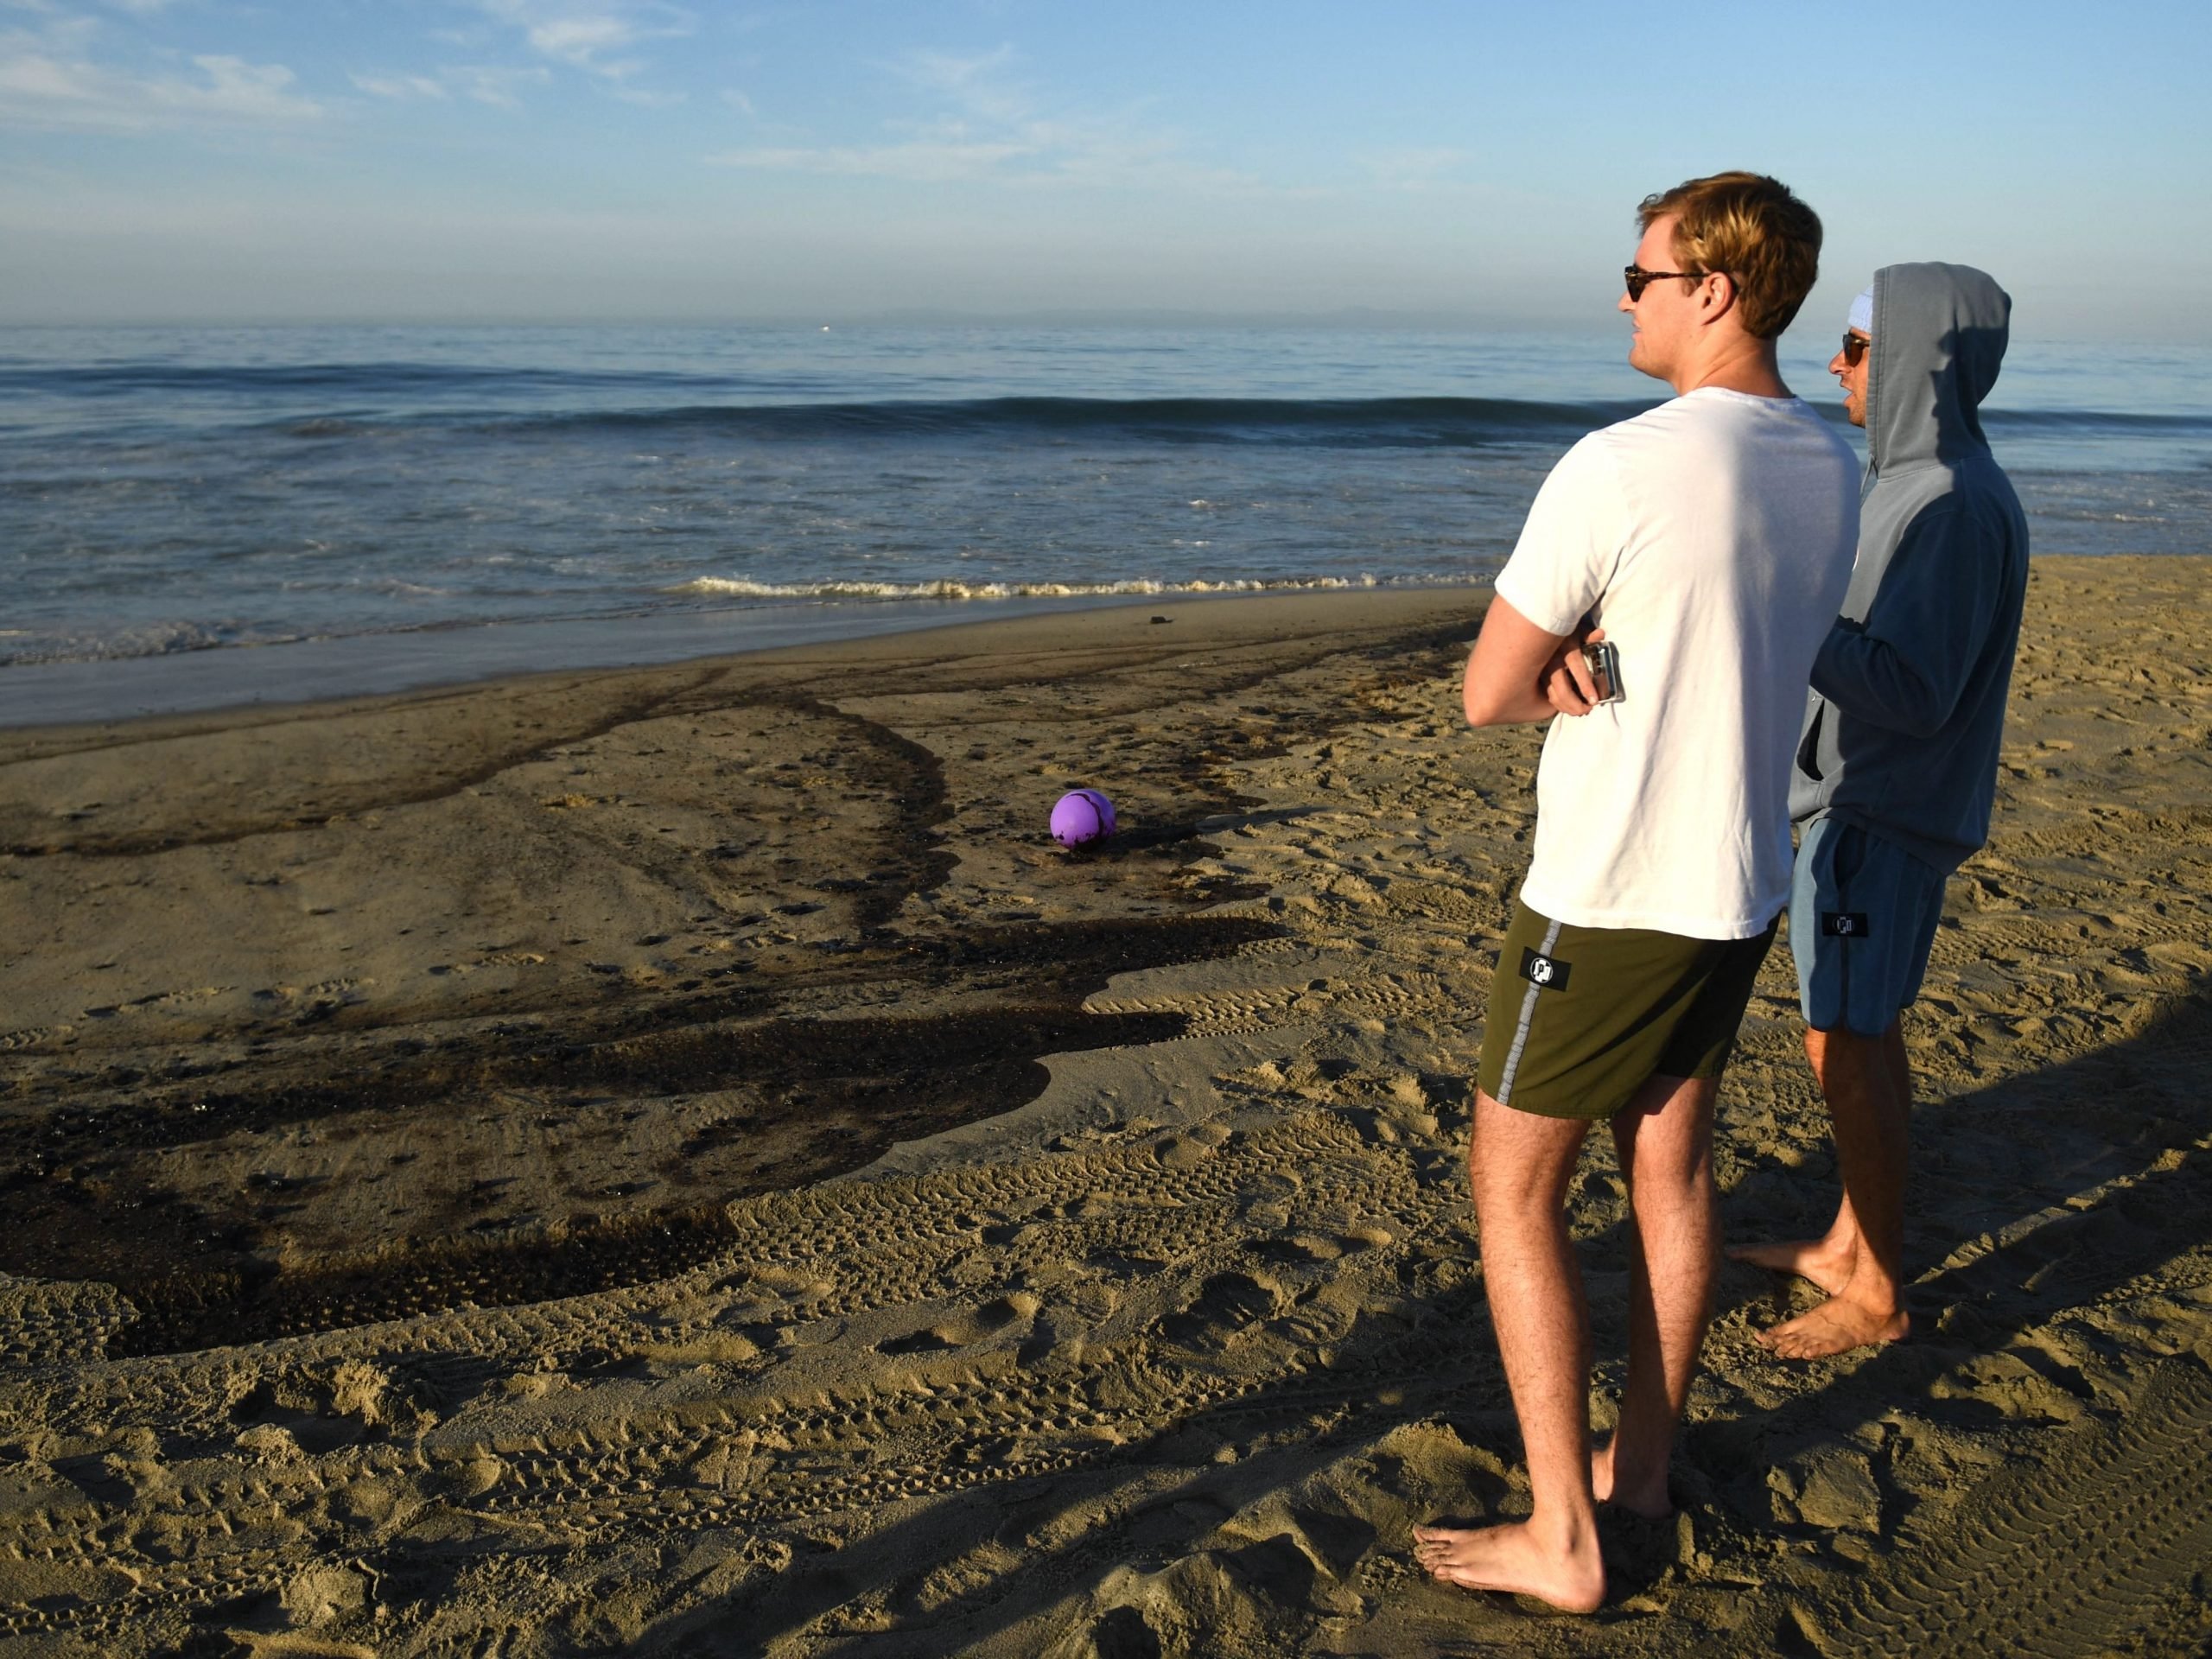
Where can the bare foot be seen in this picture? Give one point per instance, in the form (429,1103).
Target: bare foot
(1643,1493)
(1512,1560)
(1828,1265)
(1836,1326)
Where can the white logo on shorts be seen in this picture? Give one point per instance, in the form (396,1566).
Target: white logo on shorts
(1545,973)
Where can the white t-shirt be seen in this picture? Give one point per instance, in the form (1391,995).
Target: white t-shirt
(1712,538)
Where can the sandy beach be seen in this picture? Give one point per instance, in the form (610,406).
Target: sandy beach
(674,1161)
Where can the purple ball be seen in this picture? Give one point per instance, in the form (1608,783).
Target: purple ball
(1080,816)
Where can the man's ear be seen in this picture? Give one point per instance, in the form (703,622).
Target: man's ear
(1716,296)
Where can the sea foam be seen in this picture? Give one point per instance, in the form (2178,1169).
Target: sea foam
(745,588)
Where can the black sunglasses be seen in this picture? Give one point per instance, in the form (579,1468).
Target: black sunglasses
(1854,347)
(1639,279)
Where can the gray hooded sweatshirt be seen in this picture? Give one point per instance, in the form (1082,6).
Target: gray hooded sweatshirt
(1908,698)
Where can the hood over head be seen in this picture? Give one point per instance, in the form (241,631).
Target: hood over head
(1939,339)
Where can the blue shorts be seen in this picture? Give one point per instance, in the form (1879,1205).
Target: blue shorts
(1862,919)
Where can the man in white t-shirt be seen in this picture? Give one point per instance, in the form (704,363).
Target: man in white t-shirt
(1708,543)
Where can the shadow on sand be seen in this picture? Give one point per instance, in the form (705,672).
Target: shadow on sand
(1150,1505)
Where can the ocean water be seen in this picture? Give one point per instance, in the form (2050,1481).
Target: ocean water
(177,492)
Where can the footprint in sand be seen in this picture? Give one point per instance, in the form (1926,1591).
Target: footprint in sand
(989,1321)
(1227,1306)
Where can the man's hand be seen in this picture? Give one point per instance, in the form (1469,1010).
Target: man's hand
(1569,686)
(1506,674)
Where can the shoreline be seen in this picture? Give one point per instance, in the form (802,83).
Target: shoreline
(299,674)
(442,656)
(1087,1265)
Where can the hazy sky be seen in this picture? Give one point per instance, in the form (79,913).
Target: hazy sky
(169,160)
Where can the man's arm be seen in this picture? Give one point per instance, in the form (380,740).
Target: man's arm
(1514,661)
(1904,668)
(1568,549)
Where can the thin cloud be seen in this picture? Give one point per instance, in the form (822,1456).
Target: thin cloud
(499,86)
(995,127)
(976,83)
(496,84)
(401,88)
(763,129)
(50,80)
(595,36)
(1439,167)
(919,162)
(581,40)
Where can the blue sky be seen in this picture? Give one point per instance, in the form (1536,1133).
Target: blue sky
(539,160)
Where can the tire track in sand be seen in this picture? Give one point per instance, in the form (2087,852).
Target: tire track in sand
(948,1407)
(2064,1558)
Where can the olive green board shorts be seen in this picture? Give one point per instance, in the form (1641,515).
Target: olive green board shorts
(1581,1017)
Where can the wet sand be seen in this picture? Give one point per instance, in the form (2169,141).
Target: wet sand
(672,1159)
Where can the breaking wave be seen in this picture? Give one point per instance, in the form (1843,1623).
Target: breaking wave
(744,588)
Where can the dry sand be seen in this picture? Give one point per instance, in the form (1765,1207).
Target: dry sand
(672,1161)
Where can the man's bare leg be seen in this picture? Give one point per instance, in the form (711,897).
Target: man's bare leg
(1868,1085)
(1664,1139)
(1828,1259)
(1520,1165)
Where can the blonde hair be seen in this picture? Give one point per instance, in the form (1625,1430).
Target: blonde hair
(1749,227)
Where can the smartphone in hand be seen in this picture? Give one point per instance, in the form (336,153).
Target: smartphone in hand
(1603,659)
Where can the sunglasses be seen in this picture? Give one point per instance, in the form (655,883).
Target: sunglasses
(1639,279)
(1854,347)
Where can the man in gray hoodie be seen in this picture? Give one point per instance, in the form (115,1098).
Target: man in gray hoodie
(1898,767)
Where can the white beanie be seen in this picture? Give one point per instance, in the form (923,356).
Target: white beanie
(1862,313)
